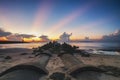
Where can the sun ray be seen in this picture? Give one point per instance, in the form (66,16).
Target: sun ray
(5,23)
(90,25)
(71,17)
(41,16)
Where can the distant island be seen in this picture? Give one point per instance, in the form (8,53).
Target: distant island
(11,42)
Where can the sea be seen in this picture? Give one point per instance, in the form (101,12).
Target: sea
(110,48)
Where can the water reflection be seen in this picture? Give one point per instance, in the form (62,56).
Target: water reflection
(96,45)
(24,45)
(82,45)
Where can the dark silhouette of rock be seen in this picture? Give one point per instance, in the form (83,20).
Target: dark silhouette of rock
(115,71)
(57,76)
(55,48)
(83,53)
(8,57)
(23,53)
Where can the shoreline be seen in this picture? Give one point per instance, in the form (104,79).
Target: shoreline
(88,51)
(12,42)
(17,56)
(14,50)
(55,63)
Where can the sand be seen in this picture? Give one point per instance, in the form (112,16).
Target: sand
(55,63)
(97,60)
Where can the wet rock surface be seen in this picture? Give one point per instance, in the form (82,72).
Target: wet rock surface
(91,75)
(23,75)
(8,57)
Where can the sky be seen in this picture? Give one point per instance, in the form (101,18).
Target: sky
(82,18)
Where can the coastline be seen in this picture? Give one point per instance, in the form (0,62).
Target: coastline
(14,50)
(22,55)
(12,42)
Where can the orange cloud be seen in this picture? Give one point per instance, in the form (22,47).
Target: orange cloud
(35,39)
(27,40)
(3,39)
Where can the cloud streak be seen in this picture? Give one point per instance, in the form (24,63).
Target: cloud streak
(18,37)
(24,35)
(112,37)
(4,33)
(13,37)
(44,38)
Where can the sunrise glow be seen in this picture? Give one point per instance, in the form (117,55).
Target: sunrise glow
(52,18)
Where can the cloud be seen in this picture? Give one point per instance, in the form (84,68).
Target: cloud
(24,35)
(14,37)
(4,33)
(18,37)
(44,38)
(112,37)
